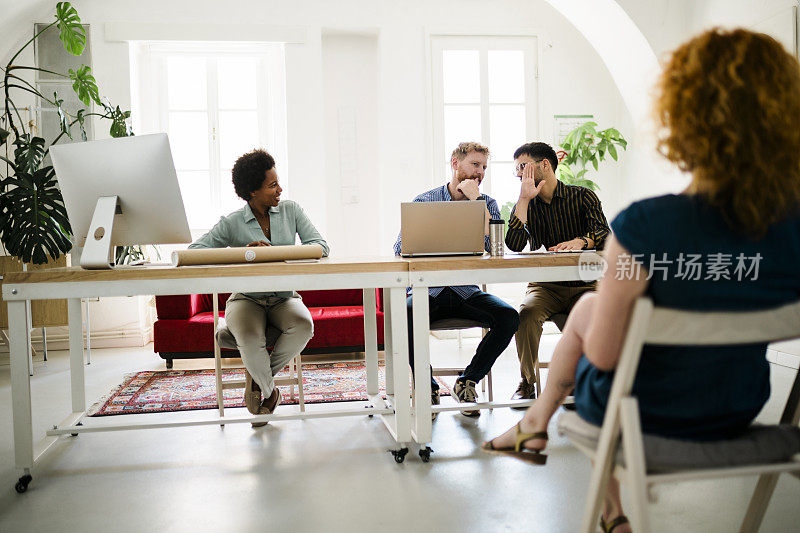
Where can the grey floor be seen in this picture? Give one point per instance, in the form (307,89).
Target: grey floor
(323,475)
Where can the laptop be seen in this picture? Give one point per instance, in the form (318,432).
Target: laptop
(442,228)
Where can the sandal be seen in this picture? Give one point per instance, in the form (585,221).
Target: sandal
(611,526)
(530,455)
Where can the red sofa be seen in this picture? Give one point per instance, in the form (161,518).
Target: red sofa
(185,325)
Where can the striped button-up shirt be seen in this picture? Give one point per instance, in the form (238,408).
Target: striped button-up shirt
(573,212)
(442,194)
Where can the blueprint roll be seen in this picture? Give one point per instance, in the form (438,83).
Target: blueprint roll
(247,254)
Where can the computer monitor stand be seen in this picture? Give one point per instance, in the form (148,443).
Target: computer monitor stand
(98,253)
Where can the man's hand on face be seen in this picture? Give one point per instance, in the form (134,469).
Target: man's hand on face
(469,188)
(529,189)
(574,244)
(259,243)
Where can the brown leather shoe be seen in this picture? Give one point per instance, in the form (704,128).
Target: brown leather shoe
(267,407)
(525,391)
(252,394)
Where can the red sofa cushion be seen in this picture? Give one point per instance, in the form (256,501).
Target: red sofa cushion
(177,306)
(336,325)
(335,297)
(325,298)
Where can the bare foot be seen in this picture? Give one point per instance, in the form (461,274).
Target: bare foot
(509,438)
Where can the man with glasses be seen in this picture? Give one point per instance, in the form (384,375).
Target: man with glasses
(561,218)
(468,162)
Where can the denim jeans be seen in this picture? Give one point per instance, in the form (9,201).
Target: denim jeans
(501,318)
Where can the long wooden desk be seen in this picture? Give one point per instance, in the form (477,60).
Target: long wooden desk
(512,268)
(392,274)
(389,273)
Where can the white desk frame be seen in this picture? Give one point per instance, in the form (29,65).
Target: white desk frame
(426,273)
(395,415)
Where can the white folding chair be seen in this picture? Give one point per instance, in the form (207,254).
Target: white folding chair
(621,424)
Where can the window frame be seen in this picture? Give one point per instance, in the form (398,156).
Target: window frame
(529,44)
(270,106)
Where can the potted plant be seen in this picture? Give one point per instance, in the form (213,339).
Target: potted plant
(34,226)
(582,146)
(585,145)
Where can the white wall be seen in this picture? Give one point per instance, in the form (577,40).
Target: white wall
(371,56)
(350,78)
(573,80)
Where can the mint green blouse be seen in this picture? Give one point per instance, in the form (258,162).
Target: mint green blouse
(286,221)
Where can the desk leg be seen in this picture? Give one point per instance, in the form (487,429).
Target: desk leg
(28,336)
(18,329)
(88,335)
(218,358)
(401,370)
(370,340)
(76,371)
(387,341)
(422,366)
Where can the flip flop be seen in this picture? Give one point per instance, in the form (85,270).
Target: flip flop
(611,526)
(529,455)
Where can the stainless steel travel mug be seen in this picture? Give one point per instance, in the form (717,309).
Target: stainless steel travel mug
(497,235)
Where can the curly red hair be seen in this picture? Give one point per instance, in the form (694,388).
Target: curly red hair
(728,103)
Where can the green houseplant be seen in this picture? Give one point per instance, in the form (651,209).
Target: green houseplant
(585,145)
(34,226)
(582,146)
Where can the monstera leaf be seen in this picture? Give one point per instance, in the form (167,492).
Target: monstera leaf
(63,118)
(71,32)
(119,124)
(39,227)
(28,154)
(82,124)
(85,86)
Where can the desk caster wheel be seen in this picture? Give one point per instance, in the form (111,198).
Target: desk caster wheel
(22,484)
(75,434)
(399,455)
(425,454)
(369,407)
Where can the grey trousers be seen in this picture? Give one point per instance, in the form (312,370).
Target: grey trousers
(248,319)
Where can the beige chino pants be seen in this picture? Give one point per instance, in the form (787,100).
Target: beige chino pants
(542,300)
(248,318)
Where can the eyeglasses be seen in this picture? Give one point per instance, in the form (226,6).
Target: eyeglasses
(519,168)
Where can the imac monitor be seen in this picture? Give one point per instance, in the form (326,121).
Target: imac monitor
(120,192)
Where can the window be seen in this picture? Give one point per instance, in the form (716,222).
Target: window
(215,104)
(484,89)
(51,56)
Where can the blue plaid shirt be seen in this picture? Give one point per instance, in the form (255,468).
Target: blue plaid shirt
(442,194)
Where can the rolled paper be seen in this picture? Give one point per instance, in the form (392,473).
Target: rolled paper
(246,254)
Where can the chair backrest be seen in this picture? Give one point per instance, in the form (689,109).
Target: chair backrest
(336,297)
(663,326)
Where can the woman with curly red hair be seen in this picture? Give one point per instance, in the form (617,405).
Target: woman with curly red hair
(728,104)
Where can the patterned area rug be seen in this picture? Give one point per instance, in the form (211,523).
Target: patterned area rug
(185,390)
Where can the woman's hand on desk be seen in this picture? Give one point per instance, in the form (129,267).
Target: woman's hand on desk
(259,243)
